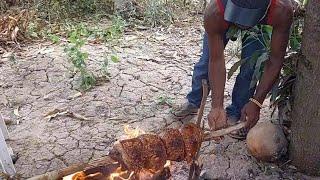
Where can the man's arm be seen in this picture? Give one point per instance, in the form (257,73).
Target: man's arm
(279,41)
(280,36)
(213,23)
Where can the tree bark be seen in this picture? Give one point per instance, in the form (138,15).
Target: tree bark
(305,137)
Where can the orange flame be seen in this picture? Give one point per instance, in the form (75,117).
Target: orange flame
(132,133)
(118,175)
(168,164)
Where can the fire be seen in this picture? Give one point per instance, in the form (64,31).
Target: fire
(168,164)
(132,133)
(120,175)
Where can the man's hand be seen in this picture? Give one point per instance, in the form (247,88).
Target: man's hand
(217,118)
(250,113)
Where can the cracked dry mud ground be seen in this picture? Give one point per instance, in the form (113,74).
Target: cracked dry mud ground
(153,63)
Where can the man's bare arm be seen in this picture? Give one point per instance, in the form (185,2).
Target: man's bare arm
(213,23)
(281,30)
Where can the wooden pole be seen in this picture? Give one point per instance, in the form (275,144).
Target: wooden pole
(222,132)
(203,101)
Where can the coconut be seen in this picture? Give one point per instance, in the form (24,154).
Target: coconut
(267,142)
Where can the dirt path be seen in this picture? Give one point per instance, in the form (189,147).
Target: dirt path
(153,65)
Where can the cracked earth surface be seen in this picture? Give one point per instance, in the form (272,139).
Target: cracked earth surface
(153,63)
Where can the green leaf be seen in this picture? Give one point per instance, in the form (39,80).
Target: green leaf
(54,38)
(114,58)
(253,59)
(233,33)
(267,30)
(274,91)
(258,69)
(234,67)
(85,55)
(294,44)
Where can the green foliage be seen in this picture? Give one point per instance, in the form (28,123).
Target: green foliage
(54,38)
(57,10)
(116,29)
(78,59)
(282,92)
(158,13)
(33,30)
(111,33)
(165,100)
(296,36)
(258,58)
(105,65)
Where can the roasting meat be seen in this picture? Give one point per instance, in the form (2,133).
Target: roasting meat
(154,152)
(148,153)
(151,152)
(192,137)
(174,144)
(132,153)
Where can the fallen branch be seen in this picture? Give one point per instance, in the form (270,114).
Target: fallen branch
(57,112)
(106,165)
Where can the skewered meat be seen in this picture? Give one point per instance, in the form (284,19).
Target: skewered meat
(132,153)
(192,137)
(154,152)
(151,151)
(174,144)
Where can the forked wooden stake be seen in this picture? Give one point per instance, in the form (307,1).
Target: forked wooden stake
(195,167)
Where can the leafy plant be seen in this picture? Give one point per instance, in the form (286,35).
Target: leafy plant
(78,59)
(281,95)
(165,100)
(111,33)
(105,64)
(158,13)
(115,31)
(57,10)
(258,58)
(54,38)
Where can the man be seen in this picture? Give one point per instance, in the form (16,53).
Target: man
(220,15)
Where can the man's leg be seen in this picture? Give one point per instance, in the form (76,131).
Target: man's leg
(200,72)
(241,90)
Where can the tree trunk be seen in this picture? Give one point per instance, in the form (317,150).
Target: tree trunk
(305,136)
